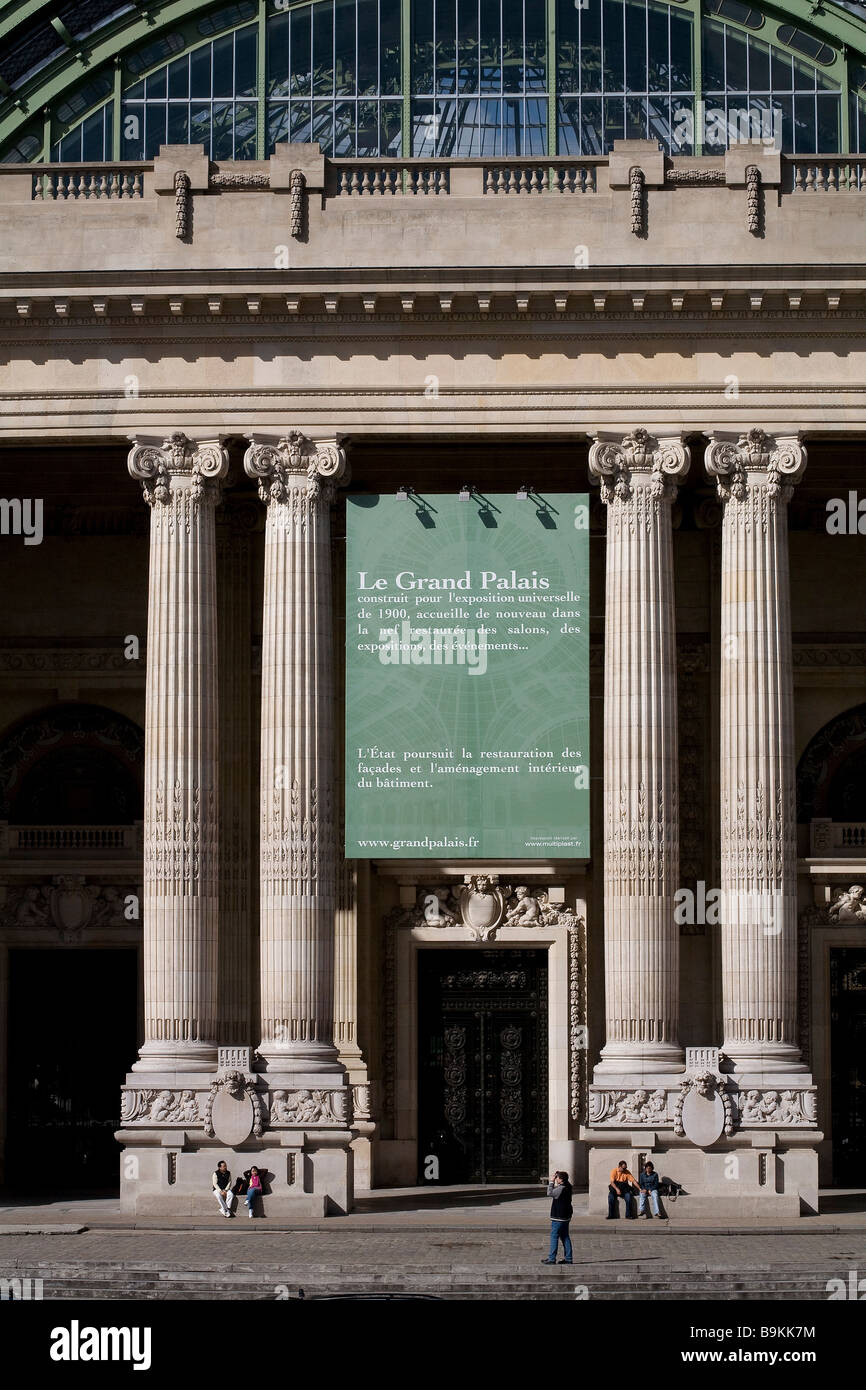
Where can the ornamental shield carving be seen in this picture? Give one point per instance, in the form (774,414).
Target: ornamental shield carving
(703,1118)
(232,1118)
(482,905)
(70,904)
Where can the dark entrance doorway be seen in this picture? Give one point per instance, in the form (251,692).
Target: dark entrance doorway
(482,1073)
(72,1038)
(848,1063)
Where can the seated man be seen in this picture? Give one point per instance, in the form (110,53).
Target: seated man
(649,1187)
(621,1185)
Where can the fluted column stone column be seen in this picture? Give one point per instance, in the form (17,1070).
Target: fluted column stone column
(299,881)
(638,476)
(180,479)
(755,476)
(235,526)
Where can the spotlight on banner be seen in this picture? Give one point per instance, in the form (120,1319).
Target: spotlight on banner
(465,493)
(523,492)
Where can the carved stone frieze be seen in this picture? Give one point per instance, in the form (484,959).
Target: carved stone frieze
(665,1108)
(628,1108)
(778,1109)
(306,1107)
(160,1107)
(69,903)
(237,178)
(482,906)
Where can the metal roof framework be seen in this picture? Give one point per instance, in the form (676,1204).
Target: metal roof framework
(83,47)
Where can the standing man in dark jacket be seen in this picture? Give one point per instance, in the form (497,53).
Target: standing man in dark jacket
(561,1212)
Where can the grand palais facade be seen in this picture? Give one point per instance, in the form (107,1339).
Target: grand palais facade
(257,259)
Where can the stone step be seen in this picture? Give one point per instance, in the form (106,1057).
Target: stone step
(101,1283)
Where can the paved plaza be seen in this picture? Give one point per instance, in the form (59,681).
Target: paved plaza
(452,1243)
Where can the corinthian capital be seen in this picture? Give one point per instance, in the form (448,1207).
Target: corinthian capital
(618,461)
(753,460)
(193,467)
(296,464)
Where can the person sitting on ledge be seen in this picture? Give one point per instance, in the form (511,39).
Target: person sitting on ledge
(222,1187)
(649,1187)
(254,1189)
(621,1185)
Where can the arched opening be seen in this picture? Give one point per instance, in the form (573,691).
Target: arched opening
(73,764)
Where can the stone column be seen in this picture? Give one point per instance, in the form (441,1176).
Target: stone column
(755,476)
(180,480)
(638,476)
(298,799)
(235,527)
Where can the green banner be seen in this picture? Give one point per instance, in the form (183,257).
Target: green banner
(467,677)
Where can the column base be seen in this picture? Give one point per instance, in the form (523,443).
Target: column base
(769,1063)
(636,1064)
(285,1064)
(170,1058)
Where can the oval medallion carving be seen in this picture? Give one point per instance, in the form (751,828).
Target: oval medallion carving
(232,1118)
(703,1118)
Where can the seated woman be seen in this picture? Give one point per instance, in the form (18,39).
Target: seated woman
(222,1187)
(254,1189)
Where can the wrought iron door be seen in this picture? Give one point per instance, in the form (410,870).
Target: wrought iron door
(482,1074)
(848,1063)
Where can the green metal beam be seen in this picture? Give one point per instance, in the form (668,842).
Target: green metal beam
(261,77)
(406,76)
(114,40)
(61,31)
(551,78)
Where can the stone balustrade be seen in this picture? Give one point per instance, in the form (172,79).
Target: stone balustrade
(838,839)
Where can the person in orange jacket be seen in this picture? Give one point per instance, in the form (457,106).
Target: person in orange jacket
(621,1185)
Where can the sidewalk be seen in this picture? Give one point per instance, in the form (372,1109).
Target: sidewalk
(421,1209)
